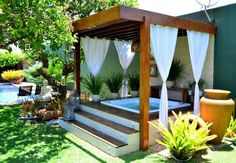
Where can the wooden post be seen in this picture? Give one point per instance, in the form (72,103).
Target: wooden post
(144,83)
(77,65)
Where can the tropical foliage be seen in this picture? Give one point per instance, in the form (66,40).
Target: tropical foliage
(185,137)
(134,82)
(10,59)
(114,82)
(31,74)
(231,130)
(11,74)
(177,67)
(43,30)
(93,84)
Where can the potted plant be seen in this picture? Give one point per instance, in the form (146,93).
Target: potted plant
(114,82)
(191,86)
(14,76)
(185,137)
(134,84)
(177,67)
(94,86)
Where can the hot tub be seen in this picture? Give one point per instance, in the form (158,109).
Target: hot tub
(132,104)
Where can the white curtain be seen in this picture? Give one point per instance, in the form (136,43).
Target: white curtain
(124,53)
(126,56)
(198,44)
(163,41)
(95,51)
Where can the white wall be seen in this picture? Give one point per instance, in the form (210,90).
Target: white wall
(182,53)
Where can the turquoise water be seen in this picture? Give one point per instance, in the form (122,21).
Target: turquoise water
(8,95)
(135,106)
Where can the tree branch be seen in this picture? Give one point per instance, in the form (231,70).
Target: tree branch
(11,41)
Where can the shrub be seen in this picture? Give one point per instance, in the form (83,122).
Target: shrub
(10,59)
(55,68)
(231,130)
(114,82)
(93,84)
(134,82)
(11,74)
(185,137)
(175,70)
(30,76)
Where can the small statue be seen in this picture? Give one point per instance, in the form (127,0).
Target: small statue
(46,92)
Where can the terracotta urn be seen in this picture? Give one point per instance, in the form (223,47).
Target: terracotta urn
(216,107)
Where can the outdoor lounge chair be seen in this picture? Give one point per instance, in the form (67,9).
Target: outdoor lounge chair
(25,90)
(37,90)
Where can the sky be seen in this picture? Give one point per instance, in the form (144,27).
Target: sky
(178,7)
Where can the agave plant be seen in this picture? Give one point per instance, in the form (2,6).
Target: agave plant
(93,84)
(134,82)
(114,82)
(185,137)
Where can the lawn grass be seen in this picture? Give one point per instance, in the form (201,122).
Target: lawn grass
(23,142)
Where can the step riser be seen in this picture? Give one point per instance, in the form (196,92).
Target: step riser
(111,117)
(89,138)
(104,129)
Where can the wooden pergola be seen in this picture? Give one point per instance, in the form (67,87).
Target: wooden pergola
(125,23)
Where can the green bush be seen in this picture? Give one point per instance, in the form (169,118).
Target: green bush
(134,82)
(93,84)
(55,68)
(177,67)
(185,136)
(10,59)
(114,82)
(30,76)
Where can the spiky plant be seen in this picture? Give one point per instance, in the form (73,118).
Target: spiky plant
(185,137)
(134,82)
(93,84)
(177,67)
(114,82)
(231,130)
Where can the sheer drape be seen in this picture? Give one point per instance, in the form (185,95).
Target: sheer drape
(198,44)
(163,41)
(124,53)
(95,51)
(125,57)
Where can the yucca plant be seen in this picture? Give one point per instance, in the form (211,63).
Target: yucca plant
(177,67)
(93,84)
(114,82)
(185,136)
(231,130)
(134,82)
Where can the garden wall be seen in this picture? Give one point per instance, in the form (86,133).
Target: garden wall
(225,43)
(112,64)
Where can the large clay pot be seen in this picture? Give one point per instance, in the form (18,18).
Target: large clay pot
(216,107)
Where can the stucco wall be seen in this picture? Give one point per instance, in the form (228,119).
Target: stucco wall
(112,64)
(182,53)
(225,44)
